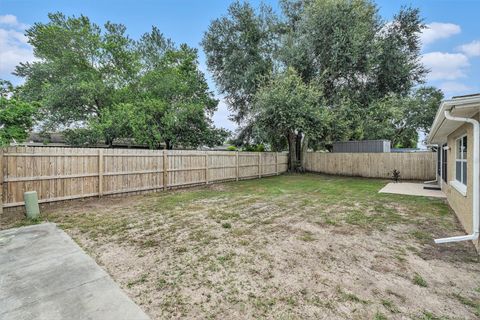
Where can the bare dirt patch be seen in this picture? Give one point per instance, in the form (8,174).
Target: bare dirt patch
(286,247)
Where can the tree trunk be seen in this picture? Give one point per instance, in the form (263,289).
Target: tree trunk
(303,153)
(298,146)
(292,153)
(109,141)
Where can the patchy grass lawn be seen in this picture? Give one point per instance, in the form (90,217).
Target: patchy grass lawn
(287,247)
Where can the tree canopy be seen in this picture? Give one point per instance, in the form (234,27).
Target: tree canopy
(239,51)
(286,107)
(314,72)
(100,84)
(16,117)
(355,59)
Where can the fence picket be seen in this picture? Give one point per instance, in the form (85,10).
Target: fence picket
(412,166)
(59,174)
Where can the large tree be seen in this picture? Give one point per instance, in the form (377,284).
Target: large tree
(289,108)
(100,84)
(174,105)
(79,68)
(400,118)
(354,52)
(343,47)
(239,49)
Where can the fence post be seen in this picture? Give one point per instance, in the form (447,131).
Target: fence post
(276,163)
(206,167)
(259,164)
(165,169)
(100,172)
(1,181)
(236,163)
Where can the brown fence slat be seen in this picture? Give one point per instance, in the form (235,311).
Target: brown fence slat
(412,166)
(59,174)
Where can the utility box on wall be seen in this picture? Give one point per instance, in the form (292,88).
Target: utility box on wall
(362,146)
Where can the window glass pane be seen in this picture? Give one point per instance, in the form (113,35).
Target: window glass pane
(458,147)
(464,172)
(464,145)
(458,171)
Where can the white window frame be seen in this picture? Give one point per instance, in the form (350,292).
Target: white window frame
(460,185)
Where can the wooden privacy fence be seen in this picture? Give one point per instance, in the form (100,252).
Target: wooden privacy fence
(412,166)
(70,173)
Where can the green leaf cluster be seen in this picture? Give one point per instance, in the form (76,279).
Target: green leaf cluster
(102,85)
(366,70)
(286,105)
(16,119)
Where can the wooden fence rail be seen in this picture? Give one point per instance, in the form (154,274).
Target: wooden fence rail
(70,173)
(412,166)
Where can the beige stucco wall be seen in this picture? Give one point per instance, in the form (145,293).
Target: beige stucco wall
(462,205)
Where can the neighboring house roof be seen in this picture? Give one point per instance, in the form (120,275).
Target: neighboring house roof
(461,106)
(57,139)
(53,137)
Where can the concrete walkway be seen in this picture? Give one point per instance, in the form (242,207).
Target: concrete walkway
(45,275)
(412,189)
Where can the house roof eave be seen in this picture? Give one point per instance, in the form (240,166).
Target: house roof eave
(465,106)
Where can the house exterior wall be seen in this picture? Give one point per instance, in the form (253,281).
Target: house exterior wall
(461,204)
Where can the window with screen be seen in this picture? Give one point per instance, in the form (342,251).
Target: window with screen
(461,160)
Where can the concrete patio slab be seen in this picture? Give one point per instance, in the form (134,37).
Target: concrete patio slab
(44,274)
(412,189)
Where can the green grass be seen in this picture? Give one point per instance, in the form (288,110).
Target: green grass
(421,235)
(314,195)
(143,278)
(28,222)
(348,296)
(419,281)
(231,242)
(227,225)
(379,316)
(307,236)
(427,315)
(474,304)
(389,305)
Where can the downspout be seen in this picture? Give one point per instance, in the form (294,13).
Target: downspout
(476,181)
(440,147)
(436,168)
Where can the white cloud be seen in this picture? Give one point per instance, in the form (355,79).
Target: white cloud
(12,21)
(438,30)
(453,87)
(445,66)
(14,47)
(8,19)
(471,49)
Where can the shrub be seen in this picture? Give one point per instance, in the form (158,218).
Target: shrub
(81,137)
(254,148)
(395,175)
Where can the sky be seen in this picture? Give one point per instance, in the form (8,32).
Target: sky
(450,45)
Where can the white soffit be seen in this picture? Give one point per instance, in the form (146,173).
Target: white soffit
(465,107)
